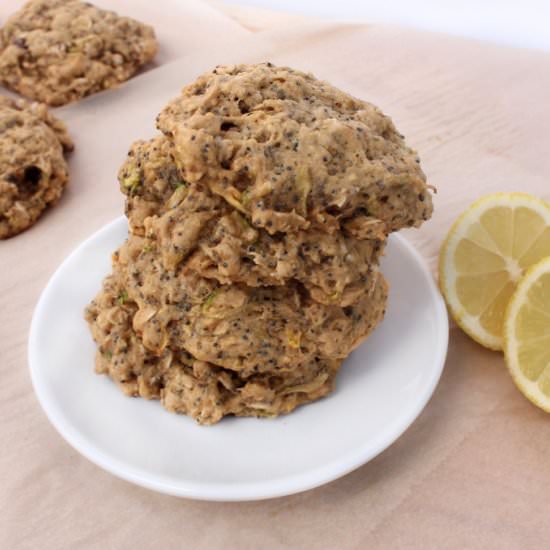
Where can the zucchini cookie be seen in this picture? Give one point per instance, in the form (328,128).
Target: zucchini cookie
(289,150)
(59,51)
(33,170)
(192,225)
(150,323)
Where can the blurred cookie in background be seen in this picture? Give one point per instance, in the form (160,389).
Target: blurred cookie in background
(33,169)
(59,51)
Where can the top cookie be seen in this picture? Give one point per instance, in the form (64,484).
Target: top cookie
(291,151)
(58,51)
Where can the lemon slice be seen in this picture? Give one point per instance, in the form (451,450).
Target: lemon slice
(527,335)
(486,253)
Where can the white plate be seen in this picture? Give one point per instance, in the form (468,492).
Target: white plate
(381,389)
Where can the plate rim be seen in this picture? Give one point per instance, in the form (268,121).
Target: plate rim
(229,492)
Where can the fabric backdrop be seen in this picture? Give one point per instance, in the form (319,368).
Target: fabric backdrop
(471,473)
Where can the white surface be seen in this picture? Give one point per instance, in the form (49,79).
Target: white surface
(381,389)
(524,23)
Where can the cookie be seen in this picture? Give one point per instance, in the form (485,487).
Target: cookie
(180,309)
(192,225)
(210,350)
(182,383)
(290,151)
(33,170)
(59,51)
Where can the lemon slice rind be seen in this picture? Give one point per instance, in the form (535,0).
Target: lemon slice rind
(529,388)
(447,273)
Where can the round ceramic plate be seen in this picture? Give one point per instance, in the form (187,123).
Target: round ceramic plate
(381,389)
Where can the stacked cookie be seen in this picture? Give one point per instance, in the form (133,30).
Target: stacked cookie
(257,220)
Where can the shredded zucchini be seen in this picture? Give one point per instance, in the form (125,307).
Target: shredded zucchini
(242,221)
(310,387)
(178,196)
(122,297)
(294,338)
(132,182)
(210,299)
(303,186)
(234,198)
